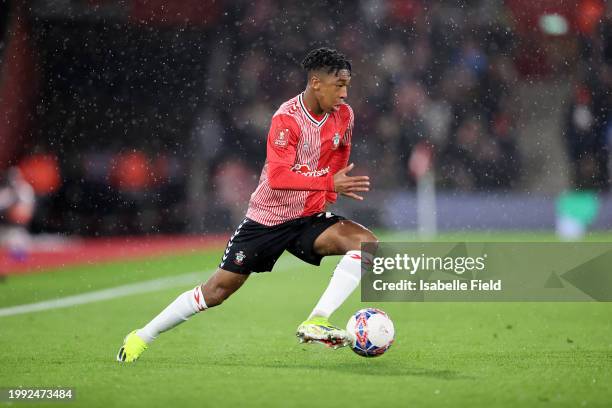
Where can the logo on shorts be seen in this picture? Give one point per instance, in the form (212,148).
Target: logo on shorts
(239,258)
(336,140)
(281,139)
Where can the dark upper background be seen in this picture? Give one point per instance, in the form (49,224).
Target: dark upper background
(155,113)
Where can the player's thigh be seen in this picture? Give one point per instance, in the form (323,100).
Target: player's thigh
(221,285)
(343,236)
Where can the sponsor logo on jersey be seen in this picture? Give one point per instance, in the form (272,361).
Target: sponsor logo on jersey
(336,140)
(281,138)
(305,170)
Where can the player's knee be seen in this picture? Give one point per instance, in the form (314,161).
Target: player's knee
(357,238)
(370,237)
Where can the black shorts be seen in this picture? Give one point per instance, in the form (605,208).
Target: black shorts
(255,247)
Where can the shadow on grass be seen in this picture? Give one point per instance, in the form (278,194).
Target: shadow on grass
(360,368)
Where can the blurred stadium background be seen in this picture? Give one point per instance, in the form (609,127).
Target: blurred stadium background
(132,133)
(146,116)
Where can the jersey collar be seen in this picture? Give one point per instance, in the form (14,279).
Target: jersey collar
(317,123)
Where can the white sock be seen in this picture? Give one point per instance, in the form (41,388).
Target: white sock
(345,279)
(183,307)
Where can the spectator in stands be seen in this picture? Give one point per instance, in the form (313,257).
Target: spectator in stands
(17,202)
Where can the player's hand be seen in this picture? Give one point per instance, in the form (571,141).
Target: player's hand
(349,185)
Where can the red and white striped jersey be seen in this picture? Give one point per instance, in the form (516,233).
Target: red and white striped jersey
(303,153)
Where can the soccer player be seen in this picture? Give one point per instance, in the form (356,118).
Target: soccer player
(308,148)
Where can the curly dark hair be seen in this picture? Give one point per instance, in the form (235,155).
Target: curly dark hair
(325,59)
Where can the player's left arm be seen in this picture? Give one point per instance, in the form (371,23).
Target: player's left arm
(341,157)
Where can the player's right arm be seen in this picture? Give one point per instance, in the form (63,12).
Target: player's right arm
(281,153)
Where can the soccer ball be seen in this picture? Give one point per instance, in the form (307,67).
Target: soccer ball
(372,332)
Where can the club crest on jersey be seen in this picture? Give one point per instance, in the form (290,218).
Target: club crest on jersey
(336,140)
(281,138)
(239,258)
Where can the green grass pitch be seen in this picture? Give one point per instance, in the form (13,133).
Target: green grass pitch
(244,353)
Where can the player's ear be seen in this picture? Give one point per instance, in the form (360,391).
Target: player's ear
(315,82)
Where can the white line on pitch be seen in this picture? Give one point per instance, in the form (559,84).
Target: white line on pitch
(119,291)
(106,294)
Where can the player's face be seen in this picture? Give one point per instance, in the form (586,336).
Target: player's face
(332,90)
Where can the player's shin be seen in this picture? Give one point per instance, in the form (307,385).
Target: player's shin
(183,307)
(345,279)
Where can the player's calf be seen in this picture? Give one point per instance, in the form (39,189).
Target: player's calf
(218,288)
(221,286)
